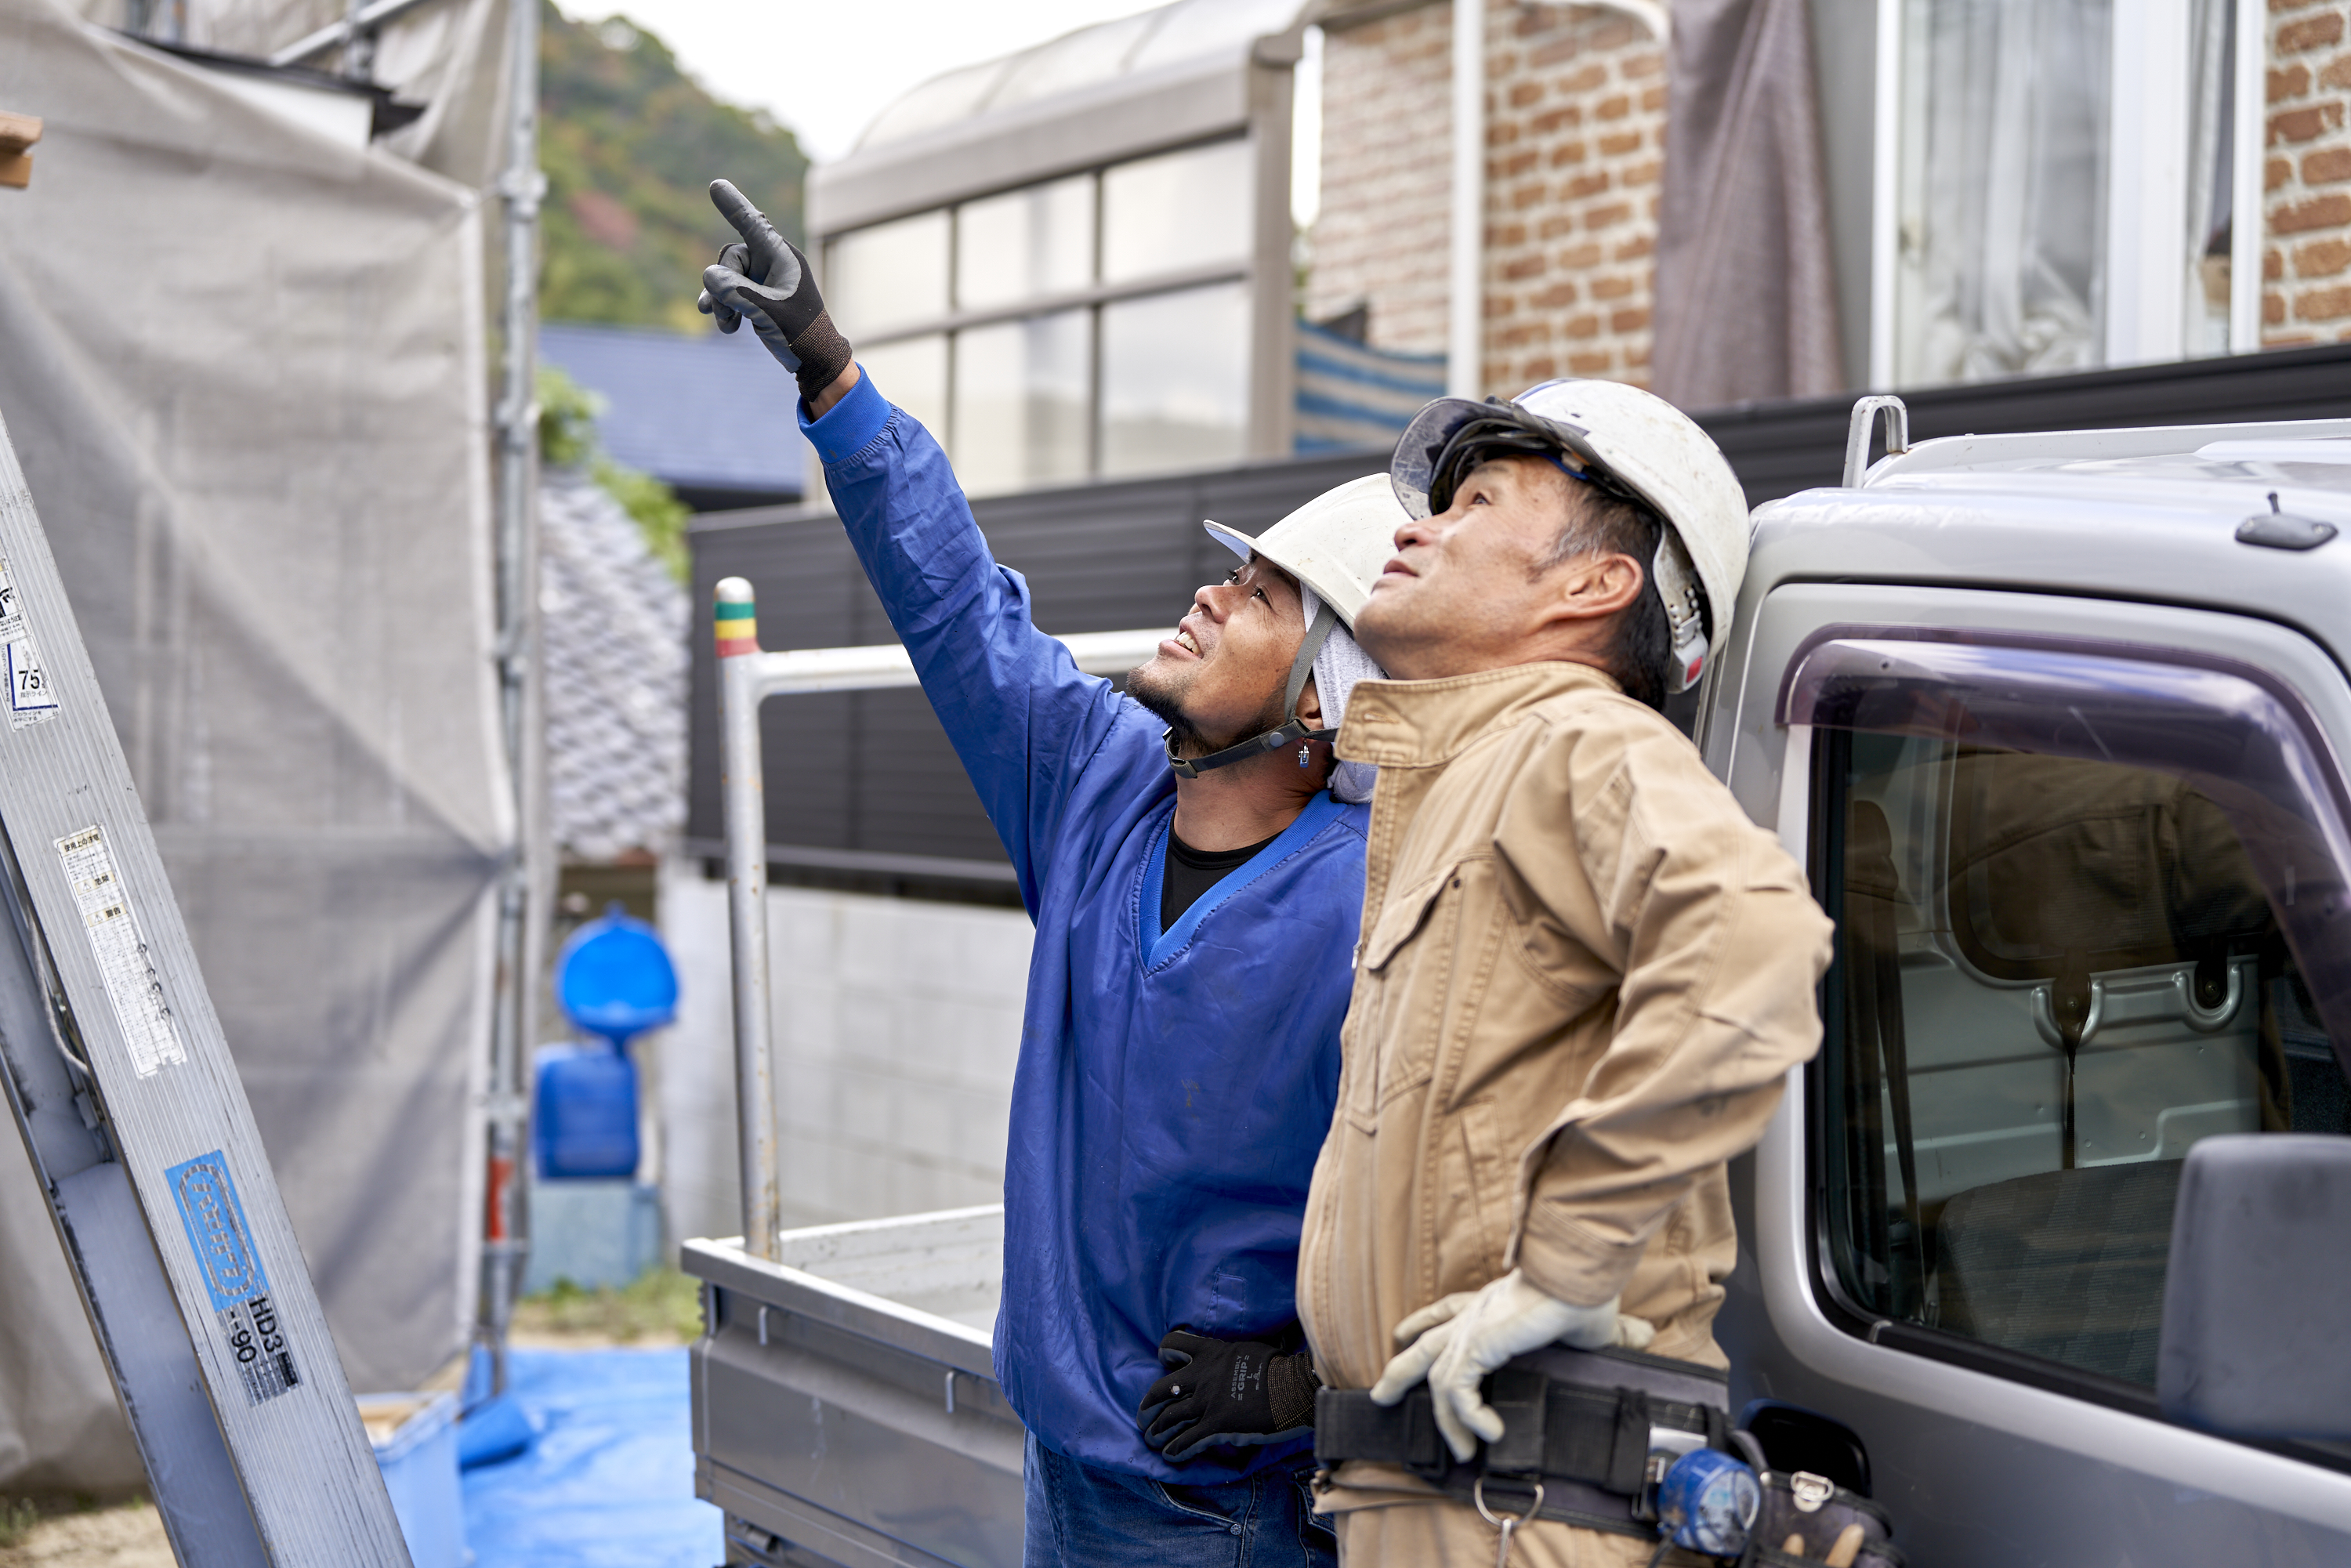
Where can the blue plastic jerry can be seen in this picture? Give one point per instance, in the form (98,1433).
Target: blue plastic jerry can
(585,1120)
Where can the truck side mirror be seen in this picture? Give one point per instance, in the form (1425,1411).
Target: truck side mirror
(2257,1296)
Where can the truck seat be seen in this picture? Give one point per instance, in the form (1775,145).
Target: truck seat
(2066,1265)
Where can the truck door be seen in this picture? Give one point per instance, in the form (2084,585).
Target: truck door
(2091,868)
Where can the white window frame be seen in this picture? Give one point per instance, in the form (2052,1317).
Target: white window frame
(2145,287)
(1091,297)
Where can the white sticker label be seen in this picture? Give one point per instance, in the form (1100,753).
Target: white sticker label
(30,699)
(131,983)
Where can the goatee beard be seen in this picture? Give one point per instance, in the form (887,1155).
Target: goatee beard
(1164,700)
(1165,705)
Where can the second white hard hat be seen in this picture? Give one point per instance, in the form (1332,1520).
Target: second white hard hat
(1336,544)
(1623,439)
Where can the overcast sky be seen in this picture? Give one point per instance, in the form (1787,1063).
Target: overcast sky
(826,69)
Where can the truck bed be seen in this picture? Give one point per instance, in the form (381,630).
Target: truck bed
(845,1404)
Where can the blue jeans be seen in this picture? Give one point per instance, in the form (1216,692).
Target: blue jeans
(1081,1516)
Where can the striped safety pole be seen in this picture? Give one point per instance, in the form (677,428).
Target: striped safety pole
(735,621)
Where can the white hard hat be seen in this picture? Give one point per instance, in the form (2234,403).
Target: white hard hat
(1622,439)
(1336,544)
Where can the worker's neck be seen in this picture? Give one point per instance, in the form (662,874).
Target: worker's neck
(1250,801)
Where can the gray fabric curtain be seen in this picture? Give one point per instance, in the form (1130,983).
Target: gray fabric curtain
(1746,283)
(2007,205)
(448,55)
(243,365)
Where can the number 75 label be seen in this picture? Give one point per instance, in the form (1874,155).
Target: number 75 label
(30,696)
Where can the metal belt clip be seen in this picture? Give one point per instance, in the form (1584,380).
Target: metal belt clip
(1644,1505)
(1667,1444)
(1508,1525)
(1517,1394)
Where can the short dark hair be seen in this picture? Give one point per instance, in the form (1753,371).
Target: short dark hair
(1599,523)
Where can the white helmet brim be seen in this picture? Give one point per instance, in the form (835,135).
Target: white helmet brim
(1336,544)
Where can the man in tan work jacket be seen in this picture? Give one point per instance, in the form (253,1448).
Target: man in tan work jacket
(1582,977)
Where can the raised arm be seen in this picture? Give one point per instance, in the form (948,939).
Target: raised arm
(1024,719)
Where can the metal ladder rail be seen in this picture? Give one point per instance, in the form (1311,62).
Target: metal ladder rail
(746,678)
(121,1083)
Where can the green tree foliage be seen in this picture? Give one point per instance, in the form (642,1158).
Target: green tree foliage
(566,420)
(630,144)
(660,516)
(567,439)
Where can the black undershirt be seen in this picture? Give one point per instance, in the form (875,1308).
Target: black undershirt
(1189,872)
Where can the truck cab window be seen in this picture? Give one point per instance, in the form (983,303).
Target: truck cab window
(2054,973)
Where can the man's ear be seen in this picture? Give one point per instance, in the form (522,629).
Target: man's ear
(1309,706)
(1594,586)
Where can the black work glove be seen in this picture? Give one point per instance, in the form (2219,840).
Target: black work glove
(1234,1394)
(766,279)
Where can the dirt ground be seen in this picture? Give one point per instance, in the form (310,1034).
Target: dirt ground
(130,1536)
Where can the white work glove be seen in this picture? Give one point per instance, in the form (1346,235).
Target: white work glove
(1455,1343)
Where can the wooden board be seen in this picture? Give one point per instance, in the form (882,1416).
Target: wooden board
(17,132)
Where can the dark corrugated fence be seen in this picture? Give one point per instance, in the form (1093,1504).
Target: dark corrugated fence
(1779,448)
(865,783)
(864,788)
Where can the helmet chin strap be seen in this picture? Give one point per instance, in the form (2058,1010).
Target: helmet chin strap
(1272,739)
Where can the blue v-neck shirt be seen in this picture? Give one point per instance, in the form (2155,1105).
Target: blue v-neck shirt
(1173,1087)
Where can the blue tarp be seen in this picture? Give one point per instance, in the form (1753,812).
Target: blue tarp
(609,1482)
(1350,397)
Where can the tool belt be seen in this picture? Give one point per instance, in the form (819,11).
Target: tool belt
(1577,1421)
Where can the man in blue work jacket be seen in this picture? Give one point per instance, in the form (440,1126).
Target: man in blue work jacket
(1196,881)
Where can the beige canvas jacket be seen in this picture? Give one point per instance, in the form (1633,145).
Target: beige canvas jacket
(1582,976)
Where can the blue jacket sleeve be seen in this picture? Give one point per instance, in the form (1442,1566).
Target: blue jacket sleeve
(1025,720)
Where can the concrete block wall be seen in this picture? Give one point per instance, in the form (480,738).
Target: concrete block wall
(897,1023)
(1575,137)
(1575,115)
(2306,297)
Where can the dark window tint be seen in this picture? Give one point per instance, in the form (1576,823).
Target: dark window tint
(2055,973)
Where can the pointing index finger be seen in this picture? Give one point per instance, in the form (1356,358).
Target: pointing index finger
(737,209)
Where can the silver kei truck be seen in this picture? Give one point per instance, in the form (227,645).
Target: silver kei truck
(2059,1219)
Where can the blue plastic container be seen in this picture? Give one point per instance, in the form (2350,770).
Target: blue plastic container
(1707,1503)
(614,978)
(584,1122)
(415,1439)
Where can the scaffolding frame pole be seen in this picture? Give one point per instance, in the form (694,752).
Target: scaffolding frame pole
(521,891)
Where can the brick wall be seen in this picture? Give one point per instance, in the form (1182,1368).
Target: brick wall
(1575,142)
(1575,137)
(1385,230)
(2308,263)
